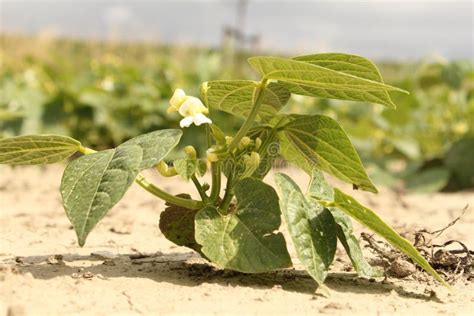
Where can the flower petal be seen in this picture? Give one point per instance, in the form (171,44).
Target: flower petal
(177,98)
(192,106)
(186,122)
(172,109)
(201,119)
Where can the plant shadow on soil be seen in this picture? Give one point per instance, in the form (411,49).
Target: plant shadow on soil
(189,269)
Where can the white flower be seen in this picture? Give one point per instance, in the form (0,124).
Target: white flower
(107,84)
(191,108)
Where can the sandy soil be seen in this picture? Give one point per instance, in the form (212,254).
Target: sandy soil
(110,275)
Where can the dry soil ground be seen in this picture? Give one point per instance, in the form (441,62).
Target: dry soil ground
(128,267)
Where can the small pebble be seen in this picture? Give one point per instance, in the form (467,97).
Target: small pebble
(103,255)
(56,259)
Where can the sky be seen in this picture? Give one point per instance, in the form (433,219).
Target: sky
(376,29)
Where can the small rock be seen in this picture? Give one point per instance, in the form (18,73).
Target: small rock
(401,268)
(56,259)
(103,255)
(121,230)
(108,262)
(88,275)
(19,260)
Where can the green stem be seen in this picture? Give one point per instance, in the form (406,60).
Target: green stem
(216,181)
(208,136)
(199,188)
(253,114)
(176,200)
(228,195)
(150,187)
(86,151)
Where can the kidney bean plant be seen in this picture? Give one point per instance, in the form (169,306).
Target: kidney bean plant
(237,226)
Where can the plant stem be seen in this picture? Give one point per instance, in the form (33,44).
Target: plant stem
(86,151)
(216,181)
(176,200)
(253,114)
(199,188)
(150,187)
(208,136)
(228,195)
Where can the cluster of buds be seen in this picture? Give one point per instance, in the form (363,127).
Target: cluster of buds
(221,150)
(248,159)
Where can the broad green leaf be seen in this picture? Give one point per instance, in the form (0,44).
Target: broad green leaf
(236,97)
(318,141)
(352,65)
(459,160)
(245,239)
(155,145)
(177,225)
(36,149)
(93,184)
(311,227)
(370,219)
(428,181)
(320,189)
(314,80)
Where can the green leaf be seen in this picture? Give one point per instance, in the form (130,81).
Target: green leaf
(370,219)
(155,145)
(313,80)
(93,184)
(177,225)
(36,149)
(245,239)
(236,97)
(459,160)
(187,167)
(428,181)
(318,141)
(311,227)
(320,189)
(352,65)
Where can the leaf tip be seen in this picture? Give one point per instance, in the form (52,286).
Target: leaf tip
(81,240)
(372,189)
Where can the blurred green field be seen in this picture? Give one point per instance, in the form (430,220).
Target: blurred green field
(104,94)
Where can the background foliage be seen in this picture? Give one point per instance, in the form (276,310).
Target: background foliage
(104,94)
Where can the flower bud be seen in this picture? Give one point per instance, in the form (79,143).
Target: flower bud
(166,171)
(190,152)
(258,143)
(228,140)
(251,161)
(211,155)
(244,142)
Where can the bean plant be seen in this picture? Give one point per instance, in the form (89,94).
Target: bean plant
(238,226)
